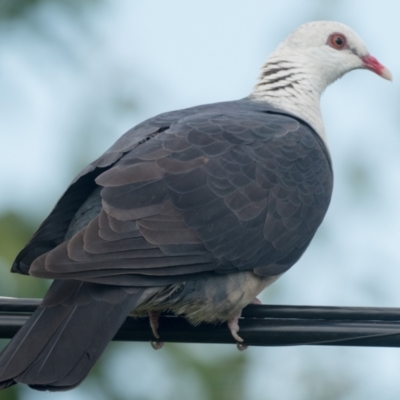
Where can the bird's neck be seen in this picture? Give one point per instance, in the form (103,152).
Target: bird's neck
(288,86)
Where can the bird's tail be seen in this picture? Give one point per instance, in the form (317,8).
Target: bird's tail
(66,335)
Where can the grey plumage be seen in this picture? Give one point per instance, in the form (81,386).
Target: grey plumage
(195,211)
(238,194)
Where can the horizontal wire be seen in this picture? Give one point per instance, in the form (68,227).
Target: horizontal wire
(261,325)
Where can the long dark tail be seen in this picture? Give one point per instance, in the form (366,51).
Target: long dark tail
(66,335)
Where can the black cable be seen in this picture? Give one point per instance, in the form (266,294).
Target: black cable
(261,325)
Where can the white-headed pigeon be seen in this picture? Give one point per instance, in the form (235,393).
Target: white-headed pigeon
(194,211)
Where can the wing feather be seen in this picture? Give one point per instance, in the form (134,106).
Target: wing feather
(201,193)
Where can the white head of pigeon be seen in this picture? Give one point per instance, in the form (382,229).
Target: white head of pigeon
(306,62)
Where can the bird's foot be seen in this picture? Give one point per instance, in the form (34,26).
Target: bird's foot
(154,324)
(233,325)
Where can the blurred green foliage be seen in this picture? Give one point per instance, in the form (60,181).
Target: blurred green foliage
(14,10)
(221,378)
(15,231)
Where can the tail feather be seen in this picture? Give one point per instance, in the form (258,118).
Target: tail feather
(66,335)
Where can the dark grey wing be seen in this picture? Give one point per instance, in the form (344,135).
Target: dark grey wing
(53,229)
(215,192)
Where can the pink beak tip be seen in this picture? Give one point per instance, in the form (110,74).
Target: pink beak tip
(371,63)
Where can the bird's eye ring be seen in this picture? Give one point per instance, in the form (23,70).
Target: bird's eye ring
(337,41)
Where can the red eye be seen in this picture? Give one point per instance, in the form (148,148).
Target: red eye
(337,41)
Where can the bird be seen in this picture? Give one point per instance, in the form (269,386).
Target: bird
(194,211)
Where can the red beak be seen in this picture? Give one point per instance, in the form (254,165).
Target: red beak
(374,65)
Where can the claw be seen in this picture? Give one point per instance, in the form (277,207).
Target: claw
(154,324)
(233,325)
(241,346)
(156,345)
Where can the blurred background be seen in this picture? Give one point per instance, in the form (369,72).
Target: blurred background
(75,75)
